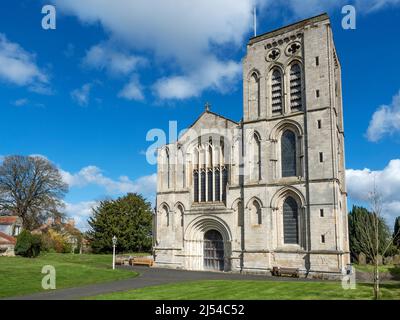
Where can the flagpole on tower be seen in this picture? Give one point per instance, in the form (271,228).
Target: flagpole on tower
(255,21)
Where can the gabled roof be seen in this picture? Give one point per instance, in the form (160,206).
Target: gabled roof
(6,239)
(8,220)
(215,114)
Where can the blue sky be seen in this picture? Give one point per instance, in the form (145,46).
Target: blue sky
(86,94)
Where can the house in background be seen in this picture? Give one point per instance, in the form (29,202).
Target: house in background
(10,228)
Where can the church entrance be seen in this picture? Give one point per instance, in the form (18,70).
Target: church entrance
(213,251)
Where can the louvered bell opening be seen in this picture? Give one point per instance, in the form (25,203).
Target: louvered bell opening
(277,92)
(296,102)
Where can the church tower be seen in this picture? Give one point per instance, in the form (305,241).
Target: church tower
(294,179)
(268,191)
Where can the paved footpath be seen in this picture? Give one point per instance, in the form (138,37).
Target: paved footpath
(147,277)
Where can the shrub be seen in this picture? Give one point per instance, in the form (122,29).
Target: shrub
(28,245)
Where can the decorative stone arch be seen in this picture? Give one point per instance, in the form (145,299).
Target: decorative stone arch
(286,192)
(254,94)
(252,199)
(236,159)
(285,124)
(164,208)
(277,202)
(252,72)
(275,138)
(254,217)
(194,238)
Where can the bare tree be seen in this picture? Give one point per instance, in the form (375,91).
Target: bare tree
(376,244)
(31,188)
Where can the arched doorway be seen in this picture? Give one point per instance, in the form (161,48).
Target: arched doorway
(213,251)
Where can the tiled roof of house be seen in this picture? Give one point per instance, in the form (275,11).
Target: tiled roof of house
(8,219)
(6,239)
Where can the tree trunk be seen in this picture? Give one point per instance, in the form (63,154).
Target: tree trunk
(376,280)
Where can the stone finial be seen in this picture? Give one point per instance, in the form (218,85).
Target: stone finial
(207,106)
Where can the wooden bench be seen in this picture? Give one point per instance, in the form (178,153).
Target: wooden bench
(288,272)
(141,261)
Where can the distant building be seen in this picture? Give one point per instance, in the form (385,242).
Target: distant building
(10,228)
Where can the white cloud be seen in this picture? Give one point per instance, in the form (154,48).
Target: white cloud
(80,212)
(212,74)
(180,33)
(92,175)
(360,184)
(385,121)
(106,56)
(21,102)
(18,67)
(81,96)
(374,5)
(132,90)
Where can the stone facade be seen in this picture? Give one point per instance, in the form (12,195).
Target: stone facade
(271,187)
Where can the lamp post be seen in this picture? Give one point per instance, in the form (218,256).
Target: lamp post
(114,242)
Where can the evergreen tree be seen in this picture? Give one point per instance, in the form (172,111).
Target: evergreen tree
(361,233)
(129,218)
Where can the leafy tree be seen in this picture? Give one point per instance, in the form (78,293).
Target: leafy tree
(396,233)
(129,218)
(31,188)
(361,232)
(28,245)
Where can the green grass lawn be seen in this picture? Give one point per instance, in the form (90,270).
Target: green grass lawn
(384,268)
(20,276)
(254,290)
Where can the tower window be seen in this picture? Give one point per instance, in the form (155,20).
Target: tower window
(321,157)
(288,154)
(319,124)
(317,61)
(317,93)
(296,100)
(277,91)
(321,213)
(290,221)
(322,238)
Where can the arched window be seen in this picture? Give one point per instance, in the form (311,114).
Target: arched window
(288,154)
(256,161)
(290,221)
(217,185)
(224,182)
(254,96)
(168,170)
(203,185)
(196,185)
(180,211)
(210,157)
(180,174)
(256,213)
(239,212)
(296,100)
(165,212)
(277,91)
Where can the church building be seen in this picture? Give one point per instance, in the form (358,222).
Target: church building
(267,191)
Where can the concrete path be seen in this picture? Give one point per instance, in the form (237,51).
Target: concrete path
(147,277)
